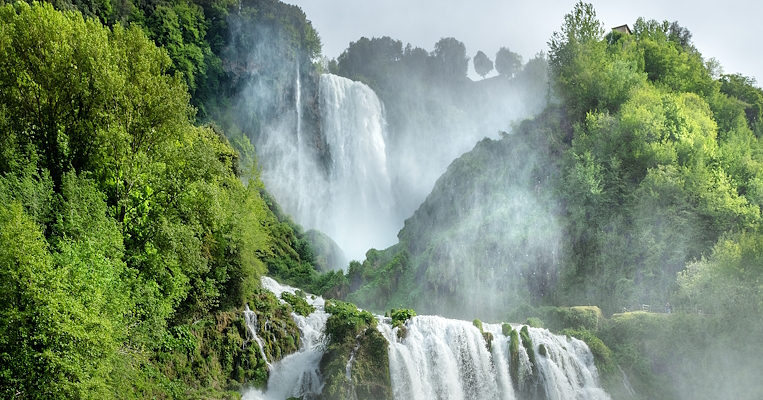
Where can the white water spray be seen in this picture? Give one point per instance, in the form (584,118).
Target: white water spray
(298,374)
(448,359)
(250,317)
(442,358)
(346,192)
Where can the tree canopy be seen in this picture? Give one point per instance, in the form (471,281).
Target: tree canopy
(482,64)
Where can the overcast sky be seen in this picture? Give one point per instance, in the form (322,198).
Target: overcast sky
(727,30)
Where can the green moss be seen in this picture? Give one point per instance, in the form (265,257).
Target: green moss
(478,324)
(527,343)
(534,322)
(298,303)
(352,332)
(506,329)
(370,369)
(542,350)
(514,355)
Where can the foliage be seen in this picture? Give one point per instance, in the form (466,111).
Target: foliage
(136,236)
(402,315)
(534,322)
(346,320)
(449,58)
(482,64)
(298,304)
(56,340)
(353,340)
(507,63)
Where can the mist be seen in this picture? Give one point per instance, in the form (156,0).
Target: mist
(355,159)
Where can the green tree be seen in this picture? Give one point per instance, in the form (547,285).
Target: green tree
(57,336)
(507,63)
(450,60)
(482,64)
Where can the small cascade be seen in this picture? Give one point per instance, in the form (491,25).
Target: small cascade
(440,358)
(447,359)
(300,140)
(250,317)
(627,382)
(298,374)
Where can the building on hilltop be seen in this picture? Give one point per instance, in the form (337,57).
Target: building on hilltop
(623,29)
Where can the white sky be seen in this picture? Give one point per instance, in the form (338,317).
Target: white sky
(726,30)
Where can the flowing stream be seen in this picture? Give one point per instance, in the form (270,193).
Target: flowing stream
(442,358)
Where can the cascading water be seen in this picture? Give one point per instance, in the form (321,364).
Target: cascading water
(442,358)
(300,139)
(360,190)
(250,317)
(568,370)
(344,189)
(448,359)
(298,374)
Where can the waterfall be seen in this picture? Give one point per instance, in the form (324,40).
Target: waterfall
(338,183)
(300,145)
(442,358)
(298,374)
(360,190)
(250,317)
(568,370)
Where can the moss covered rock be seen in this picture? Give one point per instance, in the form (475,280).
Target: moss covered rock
(514,357)
(298,303)
(527,343)
(352,335)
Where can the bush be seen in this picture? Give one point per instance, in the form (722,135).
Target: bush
(478,324)
(534,322)
(346,320)
(298,304)
(601,353)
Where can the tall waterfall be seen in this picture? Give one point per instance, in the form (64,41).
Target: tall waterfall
(360,191)
(442,358)
(344,189)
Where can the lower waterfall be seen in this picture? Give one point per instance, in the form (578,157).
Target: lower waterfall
(298,374)
(441,358)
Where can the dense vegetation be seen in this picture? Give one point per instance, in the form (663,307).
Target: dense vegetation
(639,184)
(129,241)
(133,229)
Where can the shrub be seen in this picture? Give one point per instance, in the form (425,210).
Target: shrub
(534,322)
(298,303)
(346,320)
(478,324)
(506,329)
